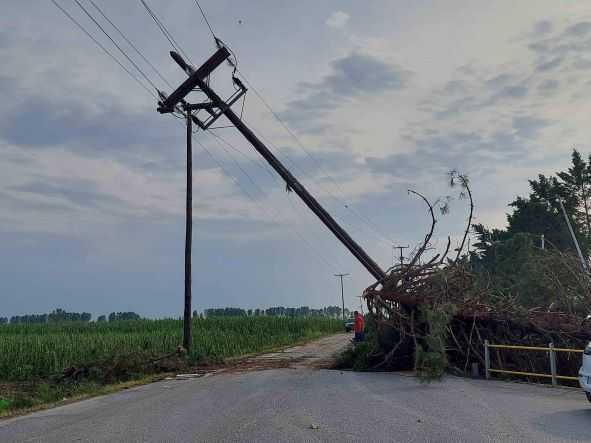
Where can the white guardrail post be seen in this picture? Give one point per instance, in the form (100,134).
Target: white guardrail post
(486,360)
(552,355)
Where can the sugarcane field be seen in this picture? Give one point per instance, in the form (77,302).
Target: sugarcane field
(295,221)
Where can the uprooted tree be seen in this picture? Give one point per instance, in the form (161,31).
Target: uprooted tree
(435,313)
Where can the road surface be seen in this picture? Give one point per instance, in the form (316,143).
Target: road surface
(304,404)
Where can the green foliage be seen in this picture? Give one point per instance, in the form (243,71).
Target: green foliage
(42,393)
(430,353)
(281,311)
(512,262)
(41,350)
(56,316)
(540,213)
(123,316)
(357,357)
(513,267)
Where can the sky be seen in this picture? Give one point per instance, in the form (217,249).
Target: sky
(378,97)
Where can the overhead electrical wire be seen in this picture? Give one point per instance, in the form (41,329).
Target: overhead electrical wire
(205,19)
(261,164)
(249,177)
(143,74)
(104,49)
(176,46)
(296,138)
(314,159)
(130,43)
(252,180)
(295,166)
(273,214)
(165,31)
(258,162)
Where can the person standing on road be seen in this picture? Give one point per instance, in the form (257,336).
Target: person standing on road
(358,326)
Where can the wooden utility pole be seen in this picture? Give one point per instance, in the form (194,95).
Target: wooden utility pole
(181,106)
(342,292)
(217,107)
(187,319)
(401,256)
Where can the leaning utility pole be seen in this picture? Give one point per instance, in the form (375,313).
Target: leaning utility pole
(572,233)
(217,107)
(342,292)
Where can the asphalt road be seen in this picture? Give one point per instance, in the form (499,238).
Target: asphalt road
(303,404)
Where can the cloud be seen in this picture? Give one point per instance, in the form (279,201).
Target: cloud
(66,122)
(353,76)
(542,27)
(337,20)
(81,193)
(550,64)
(568,49)
(548,85)
(476,152)
(579,30)
(528,127)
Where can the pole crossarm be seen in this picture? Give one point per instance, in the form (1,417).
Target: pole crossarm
(187,86)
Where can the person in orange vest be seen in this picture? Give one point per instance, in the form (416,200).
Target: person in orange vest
(358,326)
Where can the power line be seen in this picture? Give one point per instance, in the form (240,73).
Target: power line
(293,135)
(205,19)
(251,179)
(130,43)
(165,31)
(313,158)
(102,47)
(116,45)
(273,214)
(258,162)
(295,166)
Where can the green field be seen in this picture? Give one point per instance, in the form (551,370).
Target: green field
(37,351)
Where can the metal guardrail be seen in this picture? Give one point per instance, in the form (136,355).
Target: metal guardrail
(551,350)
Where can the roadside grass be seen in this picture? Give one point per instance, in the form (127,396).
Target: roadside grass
(43,395)
(46,365)
(40,351)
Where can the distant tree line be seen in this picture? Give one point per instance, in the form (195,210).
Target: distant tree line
(277,311)
(118,316)
(56,316)
(60,316)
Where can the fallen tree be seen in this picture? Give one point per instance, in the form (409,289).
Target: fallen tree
(434,314)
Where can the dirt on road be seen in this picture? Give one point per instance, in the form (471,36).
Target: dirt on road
(320,354)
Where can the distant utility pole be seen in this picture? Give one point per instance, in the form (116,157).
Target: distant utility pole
(342,292)
(360,297)
(572,233)
(401,256)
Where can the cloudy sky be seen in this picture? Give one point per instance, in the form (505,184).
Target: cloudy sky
(382,96)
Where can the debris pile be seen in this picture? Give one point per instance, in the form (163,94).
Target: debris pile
(435,314)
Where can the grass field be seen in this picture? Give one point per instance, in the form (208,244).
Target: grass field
(38,351)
